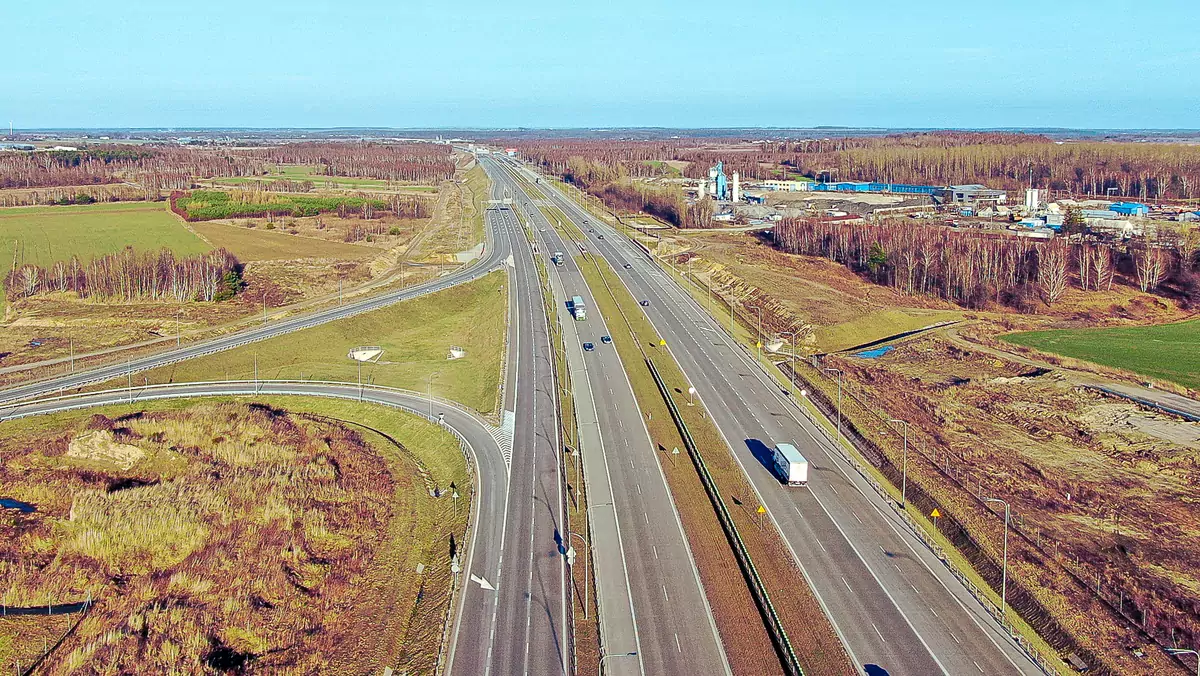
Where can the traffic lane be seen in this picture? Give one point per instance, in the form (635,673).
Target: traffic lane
(910,578)
(665,585)
(928,624)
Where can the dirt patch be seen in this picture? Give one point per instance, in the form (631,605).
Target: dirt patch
(100,446)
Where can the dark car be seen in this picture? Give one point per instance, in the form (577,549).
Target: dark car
(628,266)
(645,303)
(588,347)
(599,236)
(606,339)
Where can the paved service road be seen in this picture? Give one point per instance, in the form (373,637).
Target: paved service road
(893,604)
(650,597)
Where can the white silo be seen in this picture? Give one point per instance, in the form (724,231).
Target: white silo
(700,188)
(736,190)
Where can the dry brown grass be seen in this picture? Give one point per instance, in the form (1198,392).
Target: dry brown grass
(246,538)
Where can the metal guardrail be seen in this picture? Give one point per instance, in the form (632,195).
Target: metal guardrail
(779,637)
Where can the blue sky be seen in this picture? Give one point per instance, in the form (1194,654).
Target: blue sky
(573,63)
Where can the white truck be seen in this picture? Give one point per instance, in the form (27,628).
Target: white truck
(790,466)
(557,258)
(577,308)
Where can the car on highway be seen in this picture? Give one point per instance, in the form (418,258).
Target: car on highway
(628,266)
(606,339)
(599,236)
(645,303)
(588,347)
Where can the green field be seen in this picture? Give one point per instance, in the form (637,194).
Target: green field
(44,235)
(415,335)
(297,172)
(207,205)
(1167,351)
(262,245)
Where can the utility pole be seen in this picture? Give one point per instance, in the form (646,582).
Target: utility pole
(841,438)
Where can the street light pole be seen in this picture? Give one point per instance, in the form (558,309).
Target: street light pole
(904,467)
(586,556)
(1004,572)
(600,667)
(431,377)
(841,438)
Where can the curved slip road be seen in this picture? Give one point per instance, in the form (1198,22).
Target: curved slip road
(892,602)
(479,440)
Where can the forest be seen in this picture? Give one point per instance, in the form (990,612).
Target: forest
(129,275)
(976,270)
(1148,171)
(158,168)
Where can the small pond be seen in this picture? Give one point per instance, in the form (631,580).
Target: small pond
(877,352)
(9,503)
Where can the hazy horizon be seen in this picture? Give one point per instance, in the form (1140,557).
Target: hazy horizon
(1107,65)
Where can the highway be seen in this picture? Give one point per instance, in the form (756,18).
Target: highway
(650,596)
(894,605)
(524,628)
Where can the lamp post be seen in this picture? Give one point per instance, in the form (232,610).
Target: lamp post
(1184,651)
(841,438)
(1004,570)
(431,377)
(600,667)
(586,556)
(904,466)
(791,376)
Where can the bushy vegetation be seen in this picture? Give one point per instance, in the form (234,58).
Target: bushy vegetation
(237,538)
(207,205)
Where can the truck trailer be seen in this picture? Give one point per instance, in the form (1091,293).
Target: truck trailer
(577,308)
(557,258)
(790,466)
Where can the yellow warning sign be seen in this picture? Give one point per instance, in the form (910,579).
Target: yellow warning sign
(935,513)
(661,341)
(762,510)
(758,344)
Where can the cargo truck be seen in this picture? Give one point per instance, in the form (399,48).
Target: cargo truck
(790,466)
(557,258)
(577,308)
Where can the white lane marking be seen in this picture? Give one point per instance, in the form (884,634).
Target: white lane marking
(847,585)
(655,550)
(677,646)
(856,516)
(665,596)
(881,638)
(647,518)
(977,666)
(639,487)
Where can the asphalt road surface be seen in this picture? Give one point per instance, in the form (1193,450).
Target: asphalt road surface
(893,603)
(650,596)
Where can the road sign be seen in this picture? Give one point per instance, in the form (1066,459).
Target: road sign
(661,342)
(935,513)
(762,510)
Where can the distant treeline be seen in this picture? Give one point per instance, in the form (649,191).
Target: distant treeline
(129,275)
(1000,160)
(975,270)
(206,205)
(612,184)
(157,168)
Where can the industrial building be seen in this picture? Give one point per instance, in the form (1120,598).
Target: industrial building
(719,185)
(973,194)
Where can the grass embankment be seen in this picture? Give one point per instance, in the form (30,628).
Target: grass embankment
(274,535)
(252,245)
(43,235)
(415,335)
(1167,351)
(741,627)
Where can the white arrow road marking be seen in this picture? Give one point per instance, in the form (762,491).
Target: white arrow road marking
(482,582)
